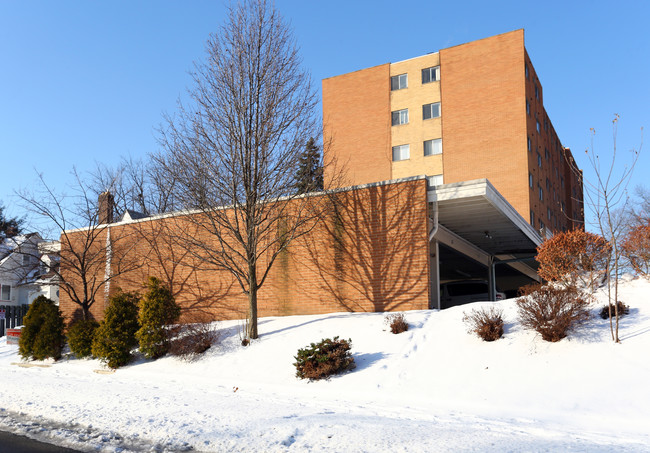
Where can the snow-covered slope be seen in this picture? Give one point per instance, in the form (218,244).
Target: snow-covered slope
(433,388)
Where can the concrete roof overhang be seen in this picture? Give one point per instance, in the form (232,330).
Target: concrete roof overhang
(478,213)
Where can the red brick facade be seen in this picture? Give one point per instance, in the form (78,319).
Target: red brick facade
(370,253)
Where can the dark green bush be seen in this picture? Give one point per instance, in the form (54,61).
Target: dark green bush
(157,311)
(115,336)
(80,337)
(42,334)
(321,360)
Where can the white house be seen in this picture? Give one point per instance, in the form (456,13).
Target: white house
(27,269)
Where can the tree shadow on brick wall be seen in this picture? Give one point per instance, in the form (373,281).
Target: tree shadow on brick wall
(372,254)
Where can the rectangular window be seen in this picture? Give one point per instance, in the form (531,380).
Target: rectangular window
(541,193)
(435,180)
(527,107)
(432,147)
(530,145)
(547,155)
(536,92)
(548,213)
(539,160)
(538,128)
(526,69)
(401,152)
(548,183)
(5,293)
(431,74)
(400,117)
(532,218)
(431,111)
(399,82)
(530,180)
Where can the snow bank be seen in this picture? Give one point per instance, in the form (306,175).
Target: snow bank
(433,388)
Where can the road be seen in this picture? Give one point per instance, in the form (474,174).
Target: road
(13,443)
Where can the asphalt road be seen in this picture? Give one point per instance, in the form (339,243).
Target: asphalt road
(13,443)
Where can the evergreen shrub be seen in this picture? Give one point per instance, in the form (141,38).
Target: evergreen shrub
(158,311)
(115,336)
(42,334)
(323,359)
(80,337)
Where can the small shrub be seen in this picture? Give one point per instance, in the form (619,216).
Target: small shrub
(636,248)
(42,334)
(321,360)
(551,311)
(396,322)
(157,311)
(190,340)
(80,337)
(622,310)
(115,336)
(485,322)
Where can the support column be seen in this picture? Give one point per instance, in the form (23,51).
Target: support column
(434,275)
(492,284)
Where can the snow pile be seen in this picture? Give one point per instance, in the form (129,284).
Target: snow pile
(432,388)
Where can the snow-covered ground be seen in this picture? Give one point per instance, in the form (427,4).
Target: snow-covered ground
(433,388)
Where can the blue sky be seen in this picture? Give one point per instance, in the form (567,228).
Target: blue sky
(88,82)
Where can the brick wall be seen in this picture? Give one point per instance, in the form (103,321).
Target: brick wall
(368,252)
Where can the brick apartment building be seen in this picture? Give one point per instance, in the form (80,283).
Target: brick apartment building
(467,112)
(452,171)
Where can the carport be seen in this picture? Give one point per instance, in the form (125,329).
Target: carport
(476,233)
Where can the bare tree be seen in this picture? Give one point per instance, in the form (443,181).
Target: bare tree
(608,196)
(234,150)
(92,255)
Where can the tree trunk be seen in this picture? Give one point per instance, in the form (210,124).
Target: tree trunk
(252,302)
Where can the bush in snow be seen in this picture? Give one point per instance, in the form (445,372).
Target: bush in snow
(42,334)
(194,338)
(396,322)
(323,359)
(636,249)
(609,310)
(485,322)
(552,311)
(80,337)
(115,336)
(158,310)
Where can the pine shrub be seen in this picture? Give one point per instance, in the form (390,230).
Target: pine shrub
(42,334)
(158,310)
(552,311)
(485,322)
(622,310)
(115,336)
(80,337)
(323,359)
(396,322)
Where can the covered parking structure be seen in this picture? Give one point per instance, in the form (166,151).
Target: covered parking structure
(476,234)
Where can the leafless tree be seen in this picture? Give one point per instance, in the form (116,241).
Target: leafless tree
(234,149)
(92,255)
(608,196)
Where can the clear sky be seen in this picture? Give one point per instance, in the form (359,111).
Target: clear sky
(85,82)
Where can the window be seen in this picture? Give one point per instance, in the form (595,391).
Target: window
(562,181)
(546,153)
(538,128)
(539,160)
(434,180)
(399,82)
(541,193)
(400,117)
(527,107)
(548,183)
(532,218)
(530,180)
(432,147)
(431,111)
(526,69)
(530,145)
(536,92)
(5,293)
(548,213)
(431,74)
(401,152)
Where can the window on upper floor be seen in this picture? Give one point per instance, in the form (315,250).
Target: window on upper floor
(530,180)
(5,292)
(435,180)
(532,218)
(529,144)
(539,129)
(527,107)
(399,82)
(547,155)
(526,69)
(548,213)
(431,74)
(539,160)
(432,147)
(400,117)
(431,111)
(401,152)
(536,92)
(548,183)
(541,193)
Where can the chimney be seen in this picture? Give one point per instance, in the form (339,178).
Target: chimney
(105,206)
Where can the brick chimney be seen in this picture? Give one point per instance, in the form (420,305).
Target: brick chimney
(105,206)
